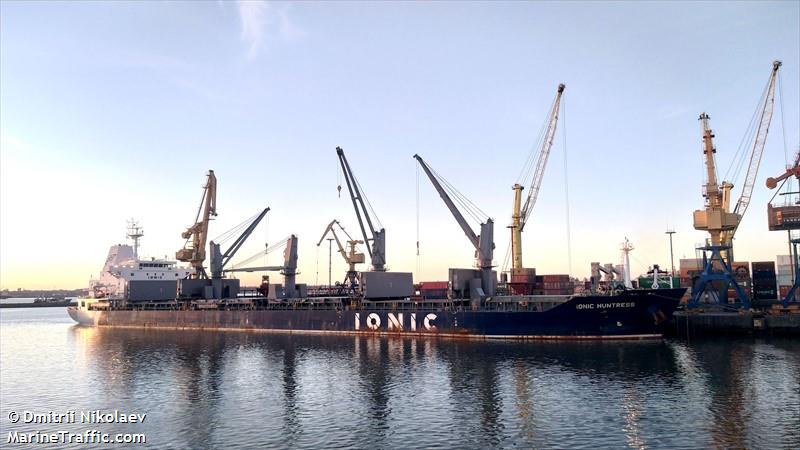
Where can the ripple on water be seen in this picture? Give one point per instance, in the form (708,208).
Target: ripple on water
(237,390)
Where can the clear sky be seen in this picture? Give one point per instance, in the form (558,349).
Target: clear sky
(113,110)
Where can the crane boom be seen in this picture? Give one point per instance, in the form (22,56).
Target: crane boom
(377,250)
(520,215)
(329,229)
(194,252)
(758,144)
(544,154)
(352,258)
(462,222)
(220,260)
(483,243)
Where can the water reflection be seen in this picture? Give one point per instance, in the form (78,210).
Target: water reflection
(214,390)
(291,422)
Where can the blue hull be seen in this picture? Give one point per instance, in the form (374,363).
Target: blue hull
(631,314)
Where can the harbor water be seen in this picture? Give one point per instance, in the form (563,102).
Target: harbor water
(205,389)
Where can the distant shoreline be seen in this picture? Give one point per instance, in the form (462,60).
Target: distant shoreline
(62,304)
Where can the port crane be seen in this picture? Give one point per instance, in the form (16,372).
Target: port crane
(375,239)
(193,250)
(483,242)
(717,218)
(351,257)
(787,218)
(520,213)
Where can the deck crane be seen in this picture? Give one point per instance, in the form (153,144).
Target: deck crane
(483,242)
(193,250)
(375,240)
(219,260)
(351,257)
(520,215)
(787,218)
(288,269)
(717,217)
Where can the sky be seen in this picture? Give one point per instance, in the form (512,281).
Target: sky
(116,110)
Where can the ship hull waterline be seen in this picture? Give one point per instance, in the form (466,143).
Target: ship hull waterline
(631,315)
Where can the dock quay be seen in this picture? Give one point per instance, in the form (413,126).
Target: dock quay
(775,321)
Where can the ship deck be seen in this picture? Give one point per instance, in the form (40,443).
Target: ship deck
(530,303)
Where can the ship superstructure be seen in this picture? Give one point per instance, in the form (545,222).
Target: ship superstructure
(123,266)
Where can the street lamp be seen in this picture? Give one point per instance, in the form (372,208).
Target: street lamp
(671,258)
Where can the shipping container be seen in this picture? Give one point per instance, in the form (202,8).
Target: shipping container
(555,278)
(426,285)
(434,293)
(733,295)
(765,292)
(741,270)
(758,266)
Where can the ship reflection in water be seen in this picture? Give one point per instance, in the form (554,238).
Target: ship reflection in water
(229,389)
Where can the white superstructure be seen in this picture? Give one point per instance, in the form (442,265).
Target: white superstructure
(123,265)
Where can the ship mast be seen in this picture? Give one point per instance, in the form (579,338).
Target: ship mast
(135,233)
(626,263)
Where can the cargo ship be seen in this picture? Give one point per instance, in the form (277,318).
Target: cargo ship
(634,314)
(160,294)
(149,293)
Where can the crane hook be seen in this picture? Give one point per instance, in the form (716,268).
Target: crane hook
(339,188)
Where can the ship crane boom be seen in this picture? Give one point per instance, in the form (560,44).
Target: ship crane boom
(375,240)
(483,243)
(520,215)
(219,260)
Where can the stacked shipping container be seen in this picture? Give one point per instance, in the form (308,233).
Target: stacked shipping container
(557,285)
(434,289)
(764,281)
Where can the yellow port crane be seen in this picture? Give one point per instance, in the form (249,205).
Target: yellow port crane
(717,217)
(194,249)
(520,213)
(351,257)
